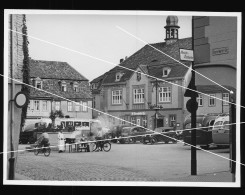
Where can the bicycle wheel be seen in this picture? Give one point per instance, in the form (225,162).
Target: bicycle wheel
(46,151)
(93,146)
(106,147)
(36,151)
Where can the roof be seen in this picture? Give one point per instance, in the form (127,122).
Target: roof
(154,59)
(214,89)
(54,70)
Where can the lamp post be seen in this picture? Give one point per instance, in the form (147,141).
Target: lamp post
(156,108)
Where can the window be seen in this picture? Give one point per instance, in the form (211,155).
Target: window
(226,98)
(45,105)
(200,100)
(63,87)
(211,100)
(57,105)
(117,97)
(69,106)
(77,107)
(164,94)
(36,105)
(118,76)
(75,87)
(172,120)
(38,84)
(139,96)
(84,106)
(133,120)
(166,71)
(144,121)
(138,76)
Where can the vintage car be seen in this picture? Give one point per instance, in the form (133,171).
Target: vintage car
(204,125)
(133,134)
(161,134)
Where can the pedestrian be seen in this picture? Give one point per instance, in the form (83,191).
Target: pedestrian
(99,137)
(61,141)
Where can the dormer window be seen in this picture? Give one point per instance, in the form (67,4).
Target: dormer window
(138,76)
(63,86)
(75,86)
(119,76)
(38,83)
(166,71)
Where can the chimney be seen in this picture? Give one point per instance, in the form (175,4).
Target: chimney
(121,60)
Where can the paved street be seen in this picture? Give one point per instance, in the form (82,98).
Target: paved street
(125,162)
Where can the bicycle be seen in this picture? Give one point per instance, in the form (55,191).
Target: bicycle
(99,145)
(45,150)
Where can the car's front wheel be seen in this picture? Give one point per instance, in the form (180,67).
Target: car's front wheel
(153,140)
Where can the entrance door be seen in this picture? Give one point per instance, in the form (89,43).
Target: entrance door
(138,121)
(160,122)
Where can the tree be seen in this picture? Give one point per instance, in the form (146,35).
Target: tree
(53,115)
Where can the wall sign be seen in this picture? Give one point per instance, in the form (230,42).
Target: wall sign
(220,51)
(20,99)
(186,55)
(137,113)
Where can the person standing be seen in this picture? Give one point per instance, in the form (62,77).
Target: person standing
(61,142)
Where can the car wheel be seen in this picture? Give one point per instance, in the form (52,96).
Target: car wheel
(153,140)
(122,141)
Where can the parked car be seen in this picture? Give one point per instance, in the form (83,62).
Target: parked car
(161,135)
(221,131)
(133,134)
(204,125)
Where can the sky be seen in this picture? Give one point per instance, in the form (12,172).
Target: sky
(98,35)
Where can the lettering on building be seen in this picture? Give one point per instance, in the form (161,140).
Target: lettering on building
(220,51)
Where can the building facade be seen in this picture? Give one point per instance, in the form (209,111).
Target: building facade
(215,49)
(69,91)
(15,54)
(148,95)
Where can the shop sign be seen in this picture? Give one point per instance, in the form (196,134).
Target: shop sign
(186,55)
(220,51)
(137,113)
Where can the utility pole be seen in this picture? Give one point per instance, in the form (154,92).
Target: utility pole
(193,113)
(192,106)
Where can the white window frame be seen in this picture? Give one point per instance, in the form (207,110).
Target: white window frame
(84,107)
(75,87)
(211,98)
(77,107)
(200,100)
(37,105)
(118,76)
(163,72)
(45,105)
(38,83)
(133,119)
(164,95)
(116,97)
(226,97)
(172,118)
(144,121)
(63,87)
(139,95)
(69,106)
(57,105)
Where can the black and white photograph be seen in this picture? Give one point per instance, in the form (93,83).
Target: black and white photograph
(122,98)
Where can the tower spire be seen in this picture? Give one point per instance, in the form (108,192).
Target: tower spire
(171,27)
